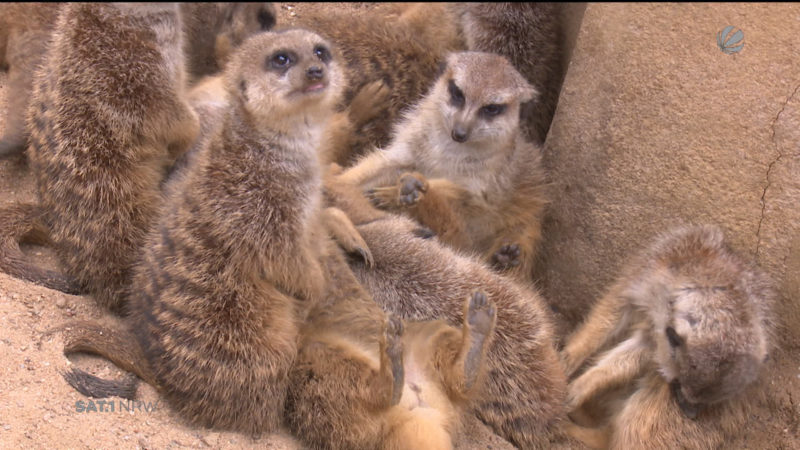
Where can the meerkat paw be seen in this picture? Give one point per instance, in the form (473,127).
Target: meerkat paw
(394,350)
(479,323)
(412,186)
(342,230)
(423,232)
(370,100)
(383,197)
(481,314)
(506,257)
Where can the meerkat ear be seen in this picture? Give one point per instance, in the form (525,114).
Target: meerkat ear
(440,69)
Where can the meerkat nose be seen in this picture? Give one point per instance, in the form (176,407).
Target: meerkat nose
(459,134)
(314,73)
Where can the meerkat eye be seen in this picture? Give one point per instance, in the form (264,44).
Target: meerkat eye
(280,60)
(492,110)
(322,53)
(456,95)
(674,339)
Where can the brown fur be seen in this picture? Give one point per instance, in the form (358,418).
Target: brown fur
(232,266)
(482,191)
(360,383)
(25,30)
(687,326)
(404,52)
(108,116)
(212,31)
(420,279)
(529,35)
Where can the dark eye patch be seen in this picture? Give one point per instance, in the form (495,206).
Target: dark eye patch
(456,95)
(322,53)
(674,339)
(281,60)
(492,110)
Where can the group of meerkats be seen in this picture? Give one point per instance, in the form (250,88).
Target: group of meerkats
(334,231)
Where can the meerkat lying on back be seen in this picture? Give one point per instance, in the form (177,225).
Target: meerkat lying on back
(459,165)
(687,328)
(418,278)
(365,381)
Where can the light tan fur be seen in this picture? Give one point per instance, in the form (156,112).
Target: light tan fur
(462,171)
(673,350)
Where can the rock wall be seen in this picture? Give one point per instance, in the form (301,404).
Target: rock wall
(657,126)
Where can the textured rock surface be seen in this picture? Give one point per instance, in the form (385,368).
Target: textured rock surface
(657,126)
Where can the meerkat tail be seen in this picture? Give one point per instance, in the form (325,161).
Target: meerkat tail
(118,346)
(21,223)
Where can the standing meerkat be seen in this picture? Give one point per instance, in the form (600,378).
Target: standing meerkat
(364,381)
(24,34)
(686,328)
(233,265)
(416,278)
(529,35)
(459,165)
(107,118)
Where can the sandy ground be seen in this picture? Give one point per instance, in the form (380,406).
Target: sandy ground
(38,409)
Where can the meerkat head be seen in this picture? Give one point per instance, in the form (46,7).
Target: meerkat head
(710,334)
(239,21)
(286,79)
(479,96)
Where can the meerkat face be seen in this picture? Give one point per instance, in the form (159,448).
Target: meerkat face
(707,353)
(289,76)
(480,96)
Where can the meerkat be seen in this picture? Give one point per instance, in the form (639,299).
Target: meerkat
(24,34)
(417,278)
(212,31)
(529,35)
(686,329)
(459,165)
(404,49)
(365,381)
(233,265)
(107,118)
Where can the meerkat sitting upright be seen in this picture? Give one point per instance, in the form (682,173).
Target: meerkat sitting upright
(233,264)
(107,118)
(683,333)
(459,165)
(24,34)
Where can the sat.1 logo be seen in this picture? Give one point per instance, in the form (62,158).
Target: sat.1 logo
(730,40)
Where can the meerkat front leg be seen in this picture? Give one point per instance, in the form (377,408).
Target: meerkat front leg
(391,354)
(617,367)
(183,130)
(607,319)
(342,230)
(434,203)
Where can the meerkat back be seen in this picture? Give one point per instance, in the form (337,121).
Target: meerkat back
(107,118)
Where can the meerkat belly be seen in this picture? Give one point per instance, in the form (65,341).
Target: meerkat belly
(422,395)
